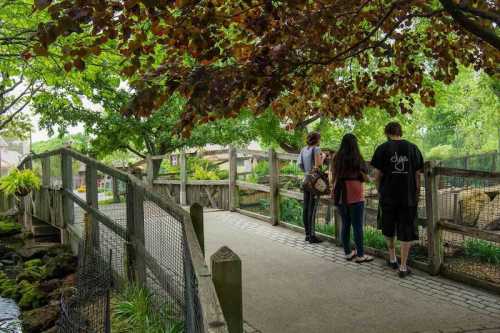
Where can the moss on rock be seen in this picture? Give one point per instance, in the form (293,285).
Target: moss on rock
(8,287)
(31,296)
(9,228)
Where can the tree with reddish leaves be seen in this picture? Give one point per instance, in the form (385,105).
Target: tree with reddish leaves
(305,59)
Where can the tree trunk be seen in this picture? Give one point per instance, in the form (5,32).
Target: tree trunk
(156,168)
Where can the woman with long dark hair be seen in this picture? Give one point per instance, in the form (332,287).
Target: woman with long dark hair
(349,173)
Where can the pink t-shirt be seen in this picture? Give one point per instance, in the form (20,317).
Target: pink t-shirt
(355,192)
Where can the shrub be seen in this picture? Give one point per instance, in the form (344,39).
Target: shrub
(31,296)
(20,180)
(291,211)
(441,152)
(374,238)
(327,229)
(9,228)
(134,310)
(291,169)
(260,170)
(482,250)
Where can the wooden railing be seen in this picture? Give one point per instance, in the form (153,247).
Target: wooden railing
(433,223)
(56,205)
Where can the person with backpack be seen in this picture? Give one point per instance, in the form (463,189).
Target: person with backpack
(398,165)
(310,158)
(349,174)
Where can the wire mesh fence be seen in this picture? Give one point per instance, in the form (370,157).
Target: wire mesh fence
(88,308)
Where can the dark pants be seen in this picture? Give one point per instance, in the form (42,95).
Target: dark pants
(352,215)
(309,213)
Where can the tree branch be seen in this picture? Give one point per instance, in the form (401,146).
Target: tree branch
(21,95)
(14,114)
(485,34)
(488,15)
(134,151)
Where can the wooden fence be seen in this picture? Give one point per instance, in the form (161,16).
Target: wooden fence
(153,240)
(439,207)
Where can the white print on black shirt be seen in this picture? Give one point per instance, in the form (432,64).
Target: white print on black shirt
(399,163)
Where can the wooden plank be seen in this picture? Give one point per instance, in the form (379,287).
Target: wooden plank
(67,184)
(470,231)
(167,181)
(105,220)
(149,170)
(466,173)
(92,200)
(287,156)
(434,234)
(210,198)
(251,152)
(274,187)
(213,318)
(183,170)
(99,166)
(292,194)
(252,186)
(135,232)
(223,182)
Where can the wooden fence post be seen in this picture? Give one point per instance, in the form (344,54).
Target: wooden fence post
(274,185)
(226,275)
(338,224)
(67,185)
(183,176)
(149,170)
(196,212)
(116,190)
(233,173)
(92,200)
(28,207)
(45,197)
(434,239)
(135,247)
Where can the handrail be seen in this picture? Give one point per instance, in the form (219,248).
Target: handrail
(213,317)
(466,173)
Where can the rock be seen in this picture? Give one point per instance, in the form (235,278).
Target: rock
(9,228)
(66,292)
(31,296)
(7,262)
(50,285)
(35,251)
(41,319)
(70,280)
(471,202)
(53,329)
(8,287)
(5,250)
(61,265)
(489,217)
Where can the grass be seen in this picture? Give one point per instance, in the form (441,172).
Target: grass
(483,251)
(374,238)
(135,310)
(106,202)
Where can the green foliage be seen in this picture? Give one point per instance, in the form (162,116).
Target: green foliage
(326,229)
(33,271)
(374,238)
(202,169)
(9,228)
(31,296)
(135,310)
(8,287)
(78,141)
(19,179)
(260,170)
(482,250)
(291,211)
(291,169)
(440,153)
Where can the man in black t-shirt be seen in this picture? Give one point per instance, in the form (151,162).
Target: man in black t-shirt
(398,164)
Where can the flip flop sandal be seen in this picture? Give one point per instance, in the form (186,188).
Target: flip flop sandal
(350,256)
(363,259)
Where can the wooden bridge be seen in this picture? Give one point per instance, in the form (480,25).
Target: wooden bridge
(288,285)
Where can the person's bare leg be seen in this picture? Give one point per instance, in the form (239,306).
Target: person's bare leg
(391,248)
(405,251)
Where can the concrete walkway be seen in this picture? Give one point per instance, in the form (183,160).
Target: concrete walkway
(291,286)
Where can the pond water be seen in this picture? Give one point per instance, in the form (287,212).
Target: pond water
(9,313)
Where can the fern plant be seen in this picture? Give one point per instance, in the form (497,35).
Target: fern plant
(20,182)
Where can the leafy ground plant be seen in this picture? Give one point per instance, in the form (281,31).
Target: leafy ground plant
(482,250)
(19,180)
(135,310)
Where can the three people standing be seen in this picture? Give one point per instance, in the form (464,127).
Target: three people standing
(397,164)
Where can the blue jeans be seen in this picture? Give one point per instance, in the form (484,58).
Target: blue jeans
(352,215)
